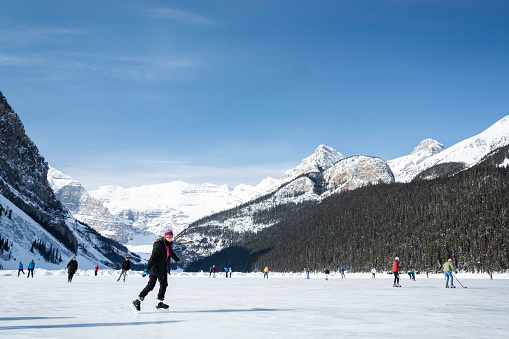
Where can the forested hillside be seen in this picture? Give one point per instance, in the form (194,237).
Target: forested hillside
(464,216)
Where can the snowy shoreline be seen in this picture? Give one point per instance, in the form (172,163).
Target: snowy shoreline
(277,275)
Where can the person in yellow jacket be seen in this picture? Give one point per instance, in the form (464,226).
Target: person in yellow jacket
(266,272)
(448,268)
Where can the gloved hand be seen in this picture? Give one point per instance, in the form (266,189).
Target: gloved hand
(145,272)
(180,261)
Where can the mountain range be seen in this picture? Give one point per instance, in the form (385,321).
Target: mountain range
(48,216)
(208,218)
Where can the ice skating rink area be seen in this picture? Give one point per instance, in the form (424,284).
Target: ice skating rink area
(248,306)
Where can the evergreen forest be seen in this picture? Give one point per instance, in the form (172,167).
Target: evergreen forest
(461,215)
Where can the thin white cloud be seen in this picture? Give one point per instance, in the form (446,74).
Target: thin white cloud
(179,16)
(137,68)
(36,34)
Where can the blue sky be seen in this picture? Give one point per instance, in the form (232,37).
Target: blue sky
(227,92)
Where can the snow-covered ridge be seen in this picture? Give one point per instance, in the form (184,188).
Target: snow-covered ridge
(469,152)
(405,168)
(472,150)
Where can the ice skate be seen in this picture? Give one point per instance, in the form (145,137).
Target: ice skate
(161,306)
(452,286)
(136,305)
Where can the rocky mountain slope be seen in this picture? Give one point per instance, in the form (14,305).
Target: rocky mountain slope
(33,212)
(87,209)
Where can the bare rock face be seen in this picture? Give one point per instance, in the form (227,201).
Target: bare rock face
(23,174)
(87,209)
(355,172)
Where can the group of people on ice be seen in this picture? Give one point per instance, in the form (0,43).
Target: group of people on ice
(31,267)
(448,268)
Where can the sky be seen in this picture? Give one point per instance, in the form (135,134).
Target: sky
(133,93)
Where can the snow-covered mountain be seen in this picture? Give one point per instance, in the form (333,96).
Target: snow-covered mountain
(149,210)
(407,167)
(467,152)
(216,232)
(323,158)
(33,222)
(87,209)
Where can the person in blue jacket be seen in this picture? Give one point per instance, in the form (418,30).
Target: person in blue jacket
(31,266)
(20,268)
(342,270)
(226,271)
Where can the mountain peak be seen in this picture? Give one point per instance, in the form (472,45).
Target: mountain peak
(430,145)
(323,158)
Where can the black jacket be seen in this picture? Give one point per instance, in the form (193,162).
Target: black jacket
(72,265)
(157,263)
(126,265)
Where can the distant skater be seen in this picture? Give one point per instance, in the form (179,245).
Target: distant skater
(126,266)
(327,272)
(72,267)
(210,272)
(31,266)
(230,271)
(448,268)
(226,271)
(20,268)
(157,269)
(213,271)
(491,275)
(342,270)
(411,274)
(96,268)
(266,272)
(307,273)
(395,271)
(373,273)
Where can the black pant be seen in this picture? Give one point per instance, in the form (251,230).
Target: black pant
(152,279)
(396,277)
(70,275)
(30,270)
(20,270)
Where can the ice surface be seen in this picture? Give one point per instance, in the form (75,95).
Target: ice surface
(248,306)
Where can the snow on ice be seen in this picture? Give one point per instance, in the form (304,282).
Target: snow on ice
(248,306)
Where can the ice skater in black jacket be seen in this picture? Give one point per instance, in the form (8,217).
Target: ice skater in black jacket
(126,266)
(158,267)
(72,267)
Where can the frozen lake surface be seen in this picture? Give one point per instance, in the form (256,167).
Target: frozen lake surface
(248,306)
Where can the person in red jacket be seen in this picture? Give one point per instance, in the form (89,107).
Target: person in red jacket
(395,271)
(96,269)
